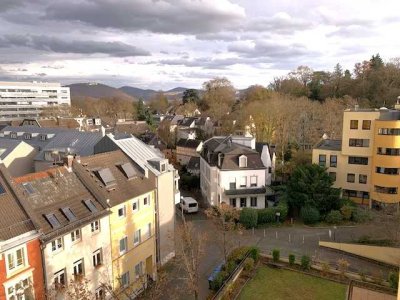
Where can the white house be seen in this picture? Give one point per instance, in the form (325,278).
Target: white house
(232,171)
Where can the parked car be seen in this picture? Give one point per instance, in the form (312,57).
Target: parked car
(189,205)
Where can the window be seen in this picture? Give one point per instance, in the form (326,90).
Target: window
(100,294)
(243,181)
(97,258)
(76,235)
(232,202)
(269,170)
(243,202)
(16,259)
(57,245)
(332,175)
(18,291)
(388,171)
(362,178)
(242,161)
(90,205)
(389,151)
(148,231)
(78,268)
(125,279)
(43,137)
(389,131)
(68,214)
(135,205)
(385,190)
(232,183)
(354,124)
(121,212)
(356,160)
(59,279)
(333,161)
(137,237)
(139,270)
(146,201)
(27,136)
(123,243)
(163,168)
(13,135)
(366,124)
(253,201)
(29,188)
(351,177)
(358,143)
(322,160)
(253,181)
(95,226)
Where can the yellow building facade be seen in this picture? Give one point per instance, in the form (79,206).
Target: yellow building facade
(365,163)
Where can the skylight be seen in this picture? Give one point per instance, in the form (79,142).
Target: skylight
(68,213)
(90,205)
(29,188)
(52,219)
(128,170)
(2,190)
(106,176)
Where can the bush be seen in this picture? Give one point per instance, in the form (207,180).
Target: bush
(248,217)
(219,280)
(266,215)
(248,264)
(361,216)
(305,262)
(275,255)
(343,266)
(334,217)
(347,212)
(393,279)
(230,266)
(292,259)
(283,208)
(325,267)
(310,215)
(238,254)
(254,253)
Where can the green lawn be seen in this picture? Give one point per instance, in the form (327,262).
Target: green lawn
(277,284)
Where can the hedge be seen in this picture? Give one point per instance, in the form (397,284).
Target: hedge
(248,217)
(268,215)
(310,215)
(334,217)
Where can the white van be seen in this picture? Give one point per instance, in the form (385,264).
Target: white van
(189,205)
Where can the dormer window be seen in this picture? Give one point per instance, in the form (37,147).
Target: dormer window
(13,135)
(163,168)
(27,136)
(242,161)
(43,137)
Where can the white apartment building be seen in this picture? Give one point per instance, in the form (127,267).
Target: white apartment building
(19,100)
(233,172)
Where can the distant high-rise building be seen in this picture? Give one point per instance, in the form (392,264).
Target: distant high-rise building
(19,100)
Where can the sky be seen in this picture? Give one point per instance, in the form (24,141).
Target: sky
(162,44)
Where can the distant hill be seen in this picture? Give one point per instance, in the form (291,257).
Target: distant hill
(147,94)
(97,90)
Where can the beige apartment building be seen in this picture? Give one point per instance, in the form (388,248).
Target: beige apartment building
(365,163)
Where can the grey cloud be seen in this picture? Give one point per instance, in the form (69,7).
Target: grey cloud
(54,67)
(352,31)
(178,16)
(52,44)
(218,36)
(281,23)
(10,4)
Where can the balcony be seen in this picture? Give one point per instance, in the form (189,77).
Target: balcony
(260,190)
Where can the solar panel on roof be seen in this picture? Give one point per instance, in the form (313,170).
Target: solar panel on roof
(129,171)
(29,188)
(90,205)
(68,213)
(52,219)
(106,176)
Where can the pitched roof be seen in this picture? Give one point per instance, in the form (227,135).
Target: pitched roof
(7,146)
(187,121)
(13,219)
(335,145)
(50,193)
(122,187)
(230,153)
(189,143)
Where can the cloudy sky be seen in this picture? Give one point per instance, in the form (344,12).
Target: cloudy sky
(163,44)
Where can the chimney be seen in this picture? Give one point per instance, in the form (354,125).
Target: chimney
(397,105)
(356,107)
(103,131)
(78,159)
(68,161)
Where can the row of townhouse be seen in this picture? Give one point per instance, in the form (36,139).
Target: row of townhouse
(365,163)
(104,221)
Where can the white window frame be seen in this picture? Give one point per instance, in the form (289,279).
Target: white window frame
(97,258)
(243,182)
(76,236)
(126,275)
(75,267)
(57,277)
(14,282)
(125,239)
(148,230)
(123,209)
(137,202)
(137,239)
(57,245)
(251,203)
(138,270)
(97,293)
(243,161)
(13,255)
(95,226)
(253,180)
(146,199)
